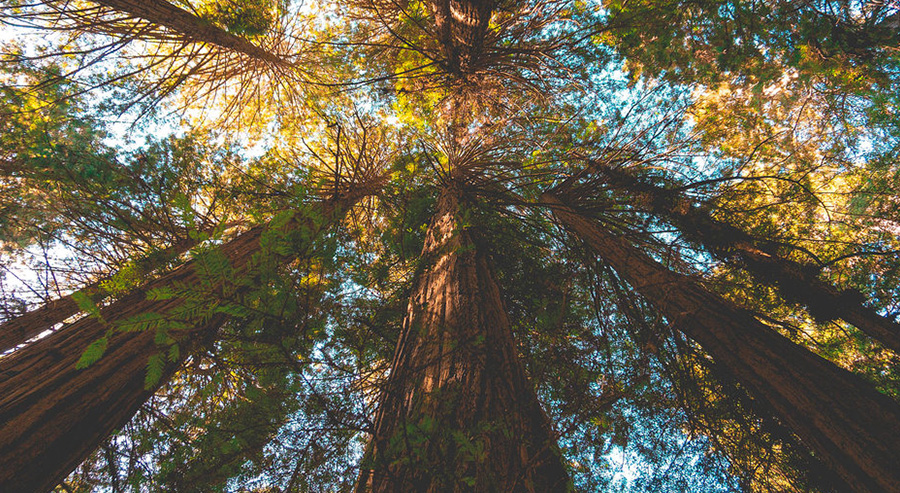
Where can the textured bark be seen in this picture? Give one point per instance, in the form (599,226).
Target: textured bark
(52,416)
(191,27)
(462,26)
(850,426)
(458,413)
(28,325)
(795,282)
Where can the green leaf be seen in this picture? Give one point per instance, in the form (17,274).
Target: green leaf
(233,310)
(140,322)
(92,353)
(158,294)
(281,219)
(182,204)
(123,281)
(155,365)
(86,304)
(174,353)
(162,337)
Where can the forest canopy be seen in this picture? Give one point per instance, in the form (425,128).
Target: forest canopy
(449,245)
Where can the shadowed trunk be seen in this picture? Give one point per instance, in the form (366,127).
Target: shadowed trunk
(462,26)
(796,282)
(850,426)
(192,27)
(52,415)
(458,413)
(31,324)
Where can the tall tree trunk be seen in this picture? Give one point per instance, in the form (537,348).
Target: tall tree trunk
(192,27)
(850,426)
(462,26)
(458,413)
(31,324)
(796,282)
(52,415)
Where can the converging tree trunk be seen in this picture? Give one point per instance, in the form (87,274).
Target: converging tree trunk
(192,27)
(850,426)
(17,331)
(796,283)
(52,415)
(461,27)
(458,413)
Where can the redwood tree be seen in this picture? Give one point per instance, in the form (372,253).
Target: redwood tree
(458,412)
(52,413)
(19,330)
(840,416)
(762,257)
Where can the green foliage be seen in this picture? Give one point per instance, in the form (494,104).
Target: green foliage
(86,304)
(124,280)
(156,363)
(245,17)
(93,353)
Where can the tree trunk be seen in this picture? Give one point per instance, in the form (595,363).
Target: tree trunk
(52,415)
(795,282)
(31,324)
(458,413)
(850,426)
(163,13)
(462,26)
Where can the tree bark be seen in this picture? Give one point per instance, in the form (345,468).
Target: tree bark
(796,282)
(462,26)
(192,27)
(850,426)
(31,324)
(52,416)
(458,413)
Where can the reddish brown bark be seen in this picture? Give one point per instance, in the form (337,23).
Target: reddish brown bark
(849,426)
(28,325)
(458,413)
(461,27)
(796,283)
(190,26)
(52,416)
